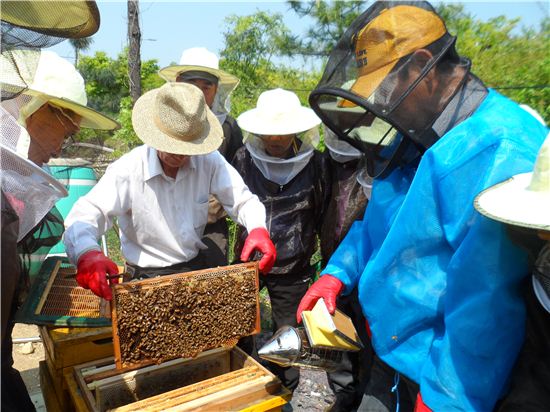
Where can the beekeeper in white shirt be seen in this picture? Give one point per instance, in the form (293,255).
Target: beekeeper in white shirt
(159,194)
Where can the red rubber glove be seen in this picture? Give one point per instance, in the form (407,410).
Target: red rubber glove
(92,270)
(420,406)
(327,287)
(258,239)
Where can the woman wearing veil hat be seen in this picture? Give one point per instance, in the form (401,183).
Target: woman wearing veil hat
(280,165)
(200,67)
(50,114)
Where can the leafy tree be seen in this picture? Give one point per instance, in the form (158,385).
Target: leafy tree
(251,45)
(516,63)
(79,45)
(107,88)
(331,20)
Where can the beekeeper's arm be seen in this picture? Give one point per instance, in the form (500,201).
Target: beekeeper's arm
(244,207)
(90,217)
(343,270)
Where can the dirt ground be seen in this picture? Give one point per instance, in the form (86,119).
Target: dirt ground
(27,363)
(312,395)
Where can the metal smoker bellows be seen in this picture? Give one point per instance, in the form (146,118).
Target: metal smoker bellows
(290,347)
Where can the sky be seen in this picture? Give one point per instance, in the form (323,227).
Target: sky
(169,27)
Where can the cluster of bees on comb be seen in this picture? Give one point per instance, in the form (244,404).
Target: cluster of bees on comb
(184,317)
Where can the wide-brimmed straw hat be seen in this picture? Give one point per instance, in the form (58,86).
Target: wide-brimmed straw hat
(199,59)
(175,119)
(524,199)
(278,112)
(57,81)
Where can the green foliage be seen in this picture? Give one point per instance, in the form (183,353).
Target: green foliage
(331,21)
(79,45)
(504,57)
(251,44)
(108,92)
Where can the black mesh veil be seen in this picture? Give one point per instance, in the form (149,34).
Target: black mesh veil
(378,90)
(26,27)
(33,25)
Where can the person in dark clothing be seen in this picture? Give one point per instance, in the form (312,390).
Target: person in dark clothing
(523,204)
(28,193)
(280,165)
(200,67)
(347,204)
(437,282)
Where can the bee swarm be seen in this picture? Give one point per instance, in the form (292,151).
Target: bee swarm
(185,317)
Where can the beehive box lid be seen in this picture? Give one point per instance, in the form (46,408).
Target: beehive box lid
(182,315)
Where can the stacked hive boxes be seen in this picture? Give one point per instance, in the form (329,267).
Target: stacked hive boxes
(63,349)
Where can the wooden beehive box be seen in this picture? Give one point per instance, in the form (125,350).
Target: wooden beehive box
(182,315)
(221,379)
(67,347)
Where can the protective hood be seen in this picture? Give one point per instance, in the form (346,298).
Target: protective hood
(32,25)
(276,169)
(31,191)
(373,90)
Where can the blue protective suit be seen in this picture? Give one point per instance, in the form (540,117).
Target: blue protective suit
(438,282)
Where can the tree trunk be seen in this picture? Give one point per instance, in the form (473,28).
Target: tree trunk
(134,55)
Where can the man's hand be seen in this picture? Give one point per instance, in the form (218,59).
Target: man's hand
(327,287)
(93,269)
(258,239)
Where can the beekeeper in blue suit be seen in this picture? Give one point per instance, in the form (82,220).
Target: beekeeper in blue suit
(438,283)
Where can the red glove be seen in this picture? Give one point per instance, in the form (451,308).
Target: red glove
(420,406)
(92,270)
(327,287)
(258,239)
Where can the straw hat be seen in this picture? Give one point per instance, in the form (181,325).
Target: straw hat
(278,112)
(524,199)
(175,119)
(199,59)
(57,81)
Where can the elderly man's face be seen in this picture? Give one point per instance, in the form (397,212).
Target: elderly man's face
(48,127)
(208,88)
(172,161)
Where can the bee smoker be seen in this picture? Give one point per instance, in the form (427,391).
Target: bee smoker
(290,346)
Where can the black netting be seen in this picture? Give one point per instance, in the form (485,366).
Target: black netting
(14,37)
(393,57)
(33,25)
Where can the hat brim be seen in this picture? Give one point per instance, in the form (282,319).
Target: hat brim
(267,123)
(365,85)
(513,203)
(170,73)
(146,129)
(366,133)
(91,118)
(68,19)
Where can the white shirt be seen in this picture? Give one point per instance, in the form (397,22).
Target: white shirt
(161,219)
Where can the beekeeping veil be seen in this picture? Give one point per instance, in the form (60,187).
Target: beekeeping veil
(377,91)
(279,112)
(26,27)
(198,62)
